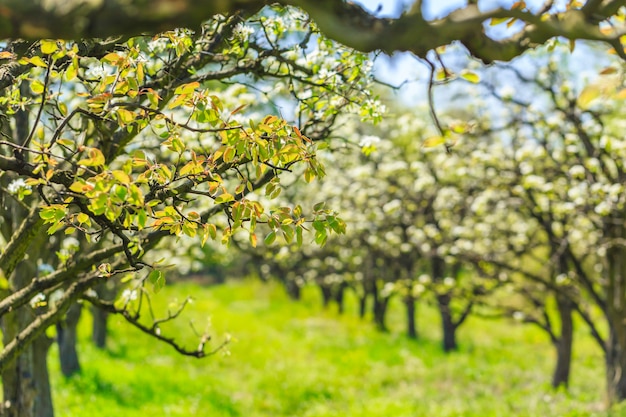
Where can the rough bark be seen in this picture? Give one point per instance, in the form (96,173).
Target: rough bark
(25,383)
(615,368)
(564,343)
(616,311)
(343,21)
(67,339)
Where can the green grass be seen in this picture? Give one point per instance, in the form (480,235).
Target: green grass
(295,359)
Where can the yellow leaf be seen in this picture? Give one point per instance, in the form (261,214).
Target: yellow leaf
(48,46)
(433,141)
(37,87)
(96,158)
(190,167)
(588,95)
(224,198)
(121,176)
(608,70)
(511,23)
(470,76)
(81,187)
(177,101)
(497,20)
(125,116)
(37,61)
(111,57)
(187,88)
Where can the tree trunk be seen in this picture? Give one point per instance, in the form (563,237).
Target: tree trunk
(411,328)
(99,327)
(380,311)
(448,327)
(339,297)
(67,340)
(25,383)
(106,291)
(362,306)
(615,369)
(447,324)
(293,290)
(326,294)
(616,313)
(564,343)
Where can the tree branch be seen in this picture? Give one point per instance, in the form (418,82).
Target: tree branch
(343,21)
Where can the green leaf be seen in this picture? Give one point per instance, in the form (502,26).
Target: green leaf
(47,213)
(55,227)
(270,238)
(157,279)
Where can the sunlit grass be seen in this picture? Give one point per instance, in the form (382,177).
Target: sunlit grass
(295,359)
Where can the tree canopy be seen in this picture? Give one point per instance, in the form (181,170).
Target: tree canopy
(343,21)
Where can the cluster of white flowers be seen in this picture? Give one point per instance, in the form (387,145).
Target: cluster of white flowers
(38,300)
(243,32)
(369,140)
(16,185)
(129,295)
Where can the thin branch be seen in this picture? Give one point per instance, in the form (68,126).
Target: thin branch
(155,331)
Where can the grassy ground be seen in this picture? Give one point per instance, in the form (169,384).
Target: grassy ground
(295,359)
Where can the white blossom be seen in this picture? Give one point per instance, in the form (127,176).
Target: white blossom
(38,300)
(129,295)
(16,185)
(243,31)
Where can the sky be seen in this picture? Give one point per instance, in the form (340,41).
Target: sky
(403,66)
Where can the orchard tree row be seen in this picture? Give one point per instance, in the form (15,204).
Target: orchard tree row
(516,211)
